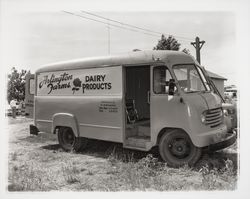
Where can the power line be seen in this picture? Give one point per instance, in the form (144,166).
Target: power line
(133,26)
(109,24)
(138,29)
(124,24)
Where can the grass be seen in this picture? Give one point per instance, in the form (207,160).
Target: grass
(151,174)
(71,174)
(25,178)
(36,163)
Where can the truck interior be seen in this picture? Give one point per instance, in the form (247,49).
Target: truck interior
(137,105)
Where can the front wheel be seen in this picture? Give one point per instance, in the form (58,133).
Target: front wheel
(68,141)
(177,149)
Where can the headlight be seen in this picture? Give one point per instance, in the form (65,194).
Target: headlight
(203,118)
(225,112)
(231,111)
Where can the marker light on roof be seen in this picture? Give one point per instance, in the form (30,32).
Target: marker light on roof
(156,59)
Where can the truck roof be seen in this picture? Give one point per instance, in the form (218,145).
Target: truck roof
(131,58)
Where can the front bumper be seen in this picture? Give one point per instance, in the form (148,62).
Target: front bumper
(226,142)
(211,137)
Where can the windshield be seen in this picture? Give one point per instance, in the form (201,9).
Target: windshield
(191,78)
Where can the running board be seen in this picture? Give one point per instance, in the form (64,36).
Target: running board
(138,142)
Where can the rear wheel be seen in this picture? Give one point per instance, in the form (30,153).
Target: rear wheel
(177,149)
(68,141)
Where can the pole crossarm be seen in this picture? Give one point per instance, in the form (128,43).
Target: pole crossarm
(198,45)
(202,43)
(194,44)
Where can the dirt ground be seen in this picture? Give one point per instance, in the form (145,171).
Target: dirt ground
(37,163)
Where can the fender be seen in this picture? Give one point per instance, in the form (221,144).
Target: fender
(65,119)
(162,132)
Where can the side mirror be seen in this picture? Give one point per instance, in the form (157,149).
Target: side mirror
(171,87)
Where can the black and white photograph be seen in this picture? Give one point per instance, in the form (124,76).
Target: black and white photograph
(125,98)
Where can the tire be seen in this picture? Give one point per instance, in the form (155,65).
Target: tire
(69,142)
(177,149)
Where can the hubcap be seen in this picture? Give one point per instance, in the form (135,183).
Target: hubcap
(68,137)
(179,147)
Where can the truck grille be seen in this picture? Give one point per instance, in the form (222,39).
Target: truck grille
(213,117)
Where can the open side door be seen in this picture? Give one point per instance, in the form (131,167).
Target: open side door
(29,95)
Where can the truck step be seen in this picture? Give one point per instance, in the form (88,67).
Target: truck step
(138,142)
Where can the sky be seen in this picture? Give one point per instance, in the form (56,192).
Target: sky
(34,37)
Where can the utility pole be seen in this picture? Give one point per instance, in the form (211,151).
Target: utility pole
(198,45)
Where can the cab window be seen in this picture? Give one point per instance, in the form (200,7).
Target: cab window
(161,77)
(190,78)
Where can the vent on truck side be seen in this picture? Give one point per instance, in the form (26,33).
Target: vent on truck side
(214,117)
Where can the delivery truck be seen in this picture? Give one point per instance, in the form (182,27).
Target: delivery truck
(141,99)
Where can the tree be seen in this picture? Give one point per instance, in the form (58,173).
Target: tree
(169,43)
(16,85)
